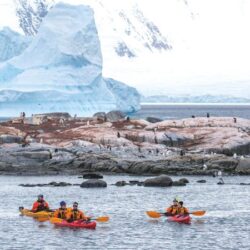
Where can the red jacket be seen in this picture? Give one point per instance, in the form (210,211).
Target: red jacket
(40,206)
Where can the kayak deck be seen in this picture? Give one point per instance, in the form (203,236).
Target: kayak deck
(76,224)
(41,214)
(186,219)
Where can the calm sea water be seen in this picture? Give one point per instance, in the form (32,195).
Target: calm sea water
(180,111)
(225,226)
(184,111)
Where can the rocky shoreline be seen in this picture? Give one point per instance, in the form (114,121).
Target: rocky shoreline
(112,143)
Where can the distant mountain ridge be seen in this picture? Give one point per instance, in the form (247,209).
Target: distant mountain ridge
(193,99)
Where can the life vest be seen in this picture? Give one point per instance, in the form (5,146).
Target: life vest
(173,210)
(40,206)
(76,215)
(61,213)
(183,210)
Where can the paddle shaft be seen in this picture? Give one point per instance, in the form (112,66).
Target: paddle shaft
(155,214)
(196,213)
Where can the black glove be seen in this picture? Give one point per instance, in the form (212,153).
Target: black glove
(167,214)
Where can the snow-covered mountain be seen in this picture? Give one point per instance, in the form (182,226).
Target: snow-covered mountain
(31,13)
(61,69)
(128,31)
(193,99)
(162,47)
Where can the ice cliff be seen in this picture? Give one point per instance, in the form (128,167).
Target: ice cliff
(12,44)
(61,70)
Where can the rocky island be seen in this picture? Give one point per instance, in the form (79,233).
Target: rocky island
(56,143)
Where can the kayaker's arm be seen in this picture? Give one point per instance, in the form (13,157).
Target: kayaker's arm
(166,214)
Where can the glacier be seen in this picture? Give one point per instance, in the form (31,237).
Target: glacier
(61,70)
(12,44)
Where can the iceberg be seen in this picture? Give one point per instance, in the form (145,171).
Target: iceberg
(61,70)
(12,44)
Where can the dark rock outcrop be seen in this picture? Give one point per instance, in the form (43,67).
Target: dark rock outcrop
(201,181)
(93,184)
(220,183)
(121,183)
(29,185)
(60,184)
(243,166)
(138,183)
(184,180)
(36,155)
(114,116)
(153,119)
(239,149)
(10,139)
(51,184)
(173,139)
(92,176)
(178,183)
(160,181)
(225,165)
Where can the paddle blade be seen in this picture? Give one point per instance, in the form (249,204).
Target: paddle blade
(198,213)
(153,214)
(54,220)
(102,219)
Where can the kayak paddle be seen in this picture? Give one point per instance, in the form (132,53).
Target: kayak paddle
(156,215)
(101,219)
(198,213)
(98,219)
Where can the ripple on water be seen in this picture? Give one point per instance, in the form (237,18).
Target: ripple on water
(225,226)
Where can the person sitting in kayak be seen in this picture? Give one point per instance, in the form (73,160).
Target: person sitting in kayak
(173,210)
(181,209)
(75,214)
(40,205)
(62,211)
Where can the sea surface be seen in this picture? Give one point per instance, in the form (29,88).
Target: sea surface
(179,111)
(224,226)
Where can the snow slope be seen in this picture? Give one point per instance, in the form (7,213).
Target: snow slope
(61,70)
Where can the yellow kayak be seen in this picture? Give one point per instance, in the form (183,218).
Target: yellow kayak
(41,214)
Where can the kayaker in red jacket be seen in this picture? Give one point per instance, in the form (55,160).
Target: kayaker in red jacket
(40,204)
(181,209)
(173,210)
